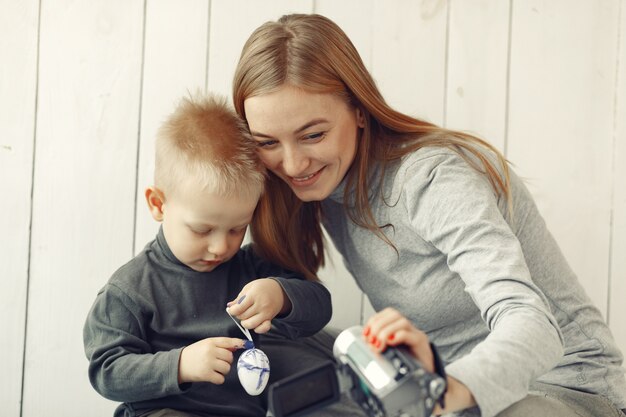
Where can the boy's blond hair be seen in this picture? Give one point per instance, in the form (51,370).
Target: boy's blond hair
(204,139)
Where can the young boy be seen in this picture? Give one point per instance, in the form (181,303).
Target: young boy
(158,337)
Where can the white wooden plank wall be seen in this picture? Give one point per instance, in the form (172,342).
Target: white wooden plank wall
(561,123)
(617,256)
(83,88)
(18,84)
(83,188)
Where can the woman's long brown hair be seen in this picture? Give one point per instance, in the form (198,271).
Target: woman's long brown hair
(311,52)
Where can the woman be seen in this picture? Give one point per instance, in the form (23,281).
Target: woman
(439,233)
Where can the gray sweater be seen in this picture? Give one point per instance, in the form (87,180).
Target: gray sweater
(491,290)
(154,306)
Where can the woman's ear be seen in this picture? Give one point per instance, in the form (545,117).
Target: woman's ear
(155,199)
(360,118)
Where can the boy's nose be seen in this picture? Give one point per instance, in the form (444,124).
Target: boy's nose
(218,246)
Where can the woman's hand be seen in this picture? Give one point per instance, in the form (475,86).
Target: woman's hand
(390,328)
(207,360)
(258,303)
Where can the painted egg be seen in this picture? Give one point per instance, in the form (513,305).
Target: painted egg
(253,369)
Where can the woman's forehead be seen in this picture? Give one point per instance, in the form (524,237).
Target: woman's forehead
(291,107)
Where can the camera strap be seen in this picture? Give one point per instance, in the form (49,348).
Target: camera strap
(441,371)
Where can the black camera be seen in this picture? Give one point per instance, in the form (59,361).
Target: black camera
(391,384)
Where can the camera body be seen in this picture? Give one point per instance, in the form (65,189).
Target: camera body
(390,384)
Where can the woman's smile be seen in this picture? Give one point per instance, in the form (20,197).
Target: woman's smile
(306,181)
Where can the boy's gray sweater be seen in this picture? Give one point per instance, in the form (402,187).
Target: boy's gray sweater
(491,290)
(154,306)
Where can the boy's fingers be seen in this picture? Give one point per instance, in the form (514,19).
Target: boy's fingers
(253,322)
(239,305)
(225,355)
(230,343)
(216,378)
(222,367)
(264,327)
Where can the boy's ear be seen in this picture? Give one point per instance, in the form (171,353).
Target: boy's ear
(155,199)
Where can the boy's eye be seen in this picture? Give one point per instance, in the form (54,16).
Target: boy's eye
(201,232)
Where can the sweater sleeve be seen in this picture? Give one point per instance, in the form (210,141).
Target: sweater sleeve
(311,307)
(454,207)
(121,364)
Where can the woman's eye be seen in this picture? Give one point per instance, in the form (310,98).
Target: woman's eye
(266,143)
(314,136)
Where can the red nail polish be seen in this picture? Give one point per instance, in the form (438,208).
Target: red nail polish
(377,343)
(366,331)
(391,336)
(373,340)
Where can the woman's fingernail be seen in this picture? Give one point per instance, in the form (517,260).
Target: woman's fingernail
(377,343)
(248,344)
(241,299)
(366,331)
(373,340)
(391,336)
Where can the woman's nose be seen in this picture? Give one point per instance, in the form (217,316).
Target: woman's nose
(295,162)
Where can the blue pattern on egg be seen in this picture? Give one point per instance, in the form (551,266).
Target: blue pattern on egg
(253,369)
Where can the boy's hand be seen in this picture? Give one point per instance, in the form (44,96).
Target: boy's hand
(258,303)
(207,360)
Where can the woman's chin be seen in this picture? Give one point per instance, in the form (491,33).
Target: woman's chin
(310,195)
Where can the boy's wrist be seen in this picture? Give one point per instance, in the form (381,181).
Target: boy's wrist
(286,305)
(181,380)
